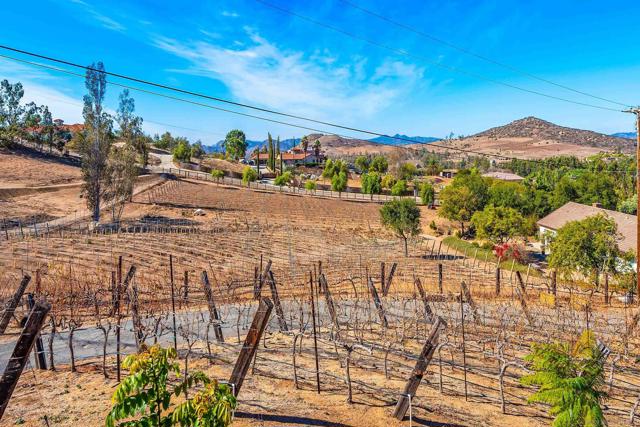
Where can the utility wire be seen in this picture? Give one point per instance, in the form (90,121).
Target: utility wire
(323,131)
(473,54)
(404,147)
(429,60)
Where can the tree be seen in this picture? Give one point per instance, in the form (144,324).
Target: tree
(271,160)
(131,127)
(283,179)
(362,163)
(235,144)
(399,188)
(10,111)
(165,142)
(401,216)
(407,171)
(571,380)
(588,246)
(249,174)
(48,127)
(427,194)
(310,185)
(333,167)
(467,194)
(217,174)
(197,150)
(97,138)
(145,393)
(498,224)
(305,143)
(388,181)
(371,183)
(316,148)
(121,177)
(339,182)
(379,164)
(182,151)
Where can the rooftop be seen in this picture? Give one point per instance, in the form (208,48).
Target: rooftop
(575,212)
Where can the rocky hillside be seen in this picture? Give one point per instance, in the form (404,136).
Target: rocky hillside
(538,129)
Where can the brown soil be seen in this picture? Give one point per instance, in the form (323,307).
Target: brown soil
(28,168)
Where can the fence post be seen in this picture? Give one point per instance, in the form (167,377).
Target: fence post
(213,311)
(41,361)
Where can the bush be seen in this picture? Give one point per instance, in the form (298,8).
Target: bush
(388,181)
(249,174)
(310,185)
(283,179)
(427,194)
(217,174)
(379,164)
(399,188)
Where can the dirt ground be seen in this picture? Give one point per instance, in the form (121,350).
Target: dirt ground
(27,168)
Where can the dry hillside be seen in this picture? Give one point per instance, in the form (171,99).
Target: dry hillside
(533,138)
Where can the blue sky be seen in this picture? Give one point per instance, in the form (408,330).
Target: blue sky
(251,53)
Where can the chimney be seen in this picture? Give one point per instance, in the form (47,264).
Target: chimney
(597,205)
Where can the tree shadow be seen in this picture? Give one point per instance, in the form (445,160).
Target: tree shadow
(290,419)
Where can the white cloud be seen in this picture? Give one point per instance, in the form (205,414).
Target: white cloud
(229,14)
(259,72)
(102,19)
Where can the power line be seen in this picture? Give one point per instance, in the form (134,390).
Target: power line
(404,147)
(476,55)
(323,131)
(429,60)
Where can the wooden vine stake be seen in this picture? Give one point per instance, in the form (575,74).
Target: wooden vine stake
(378,303)
(214,317)
(419,370)
(21,351)
(260,321)
(10,308)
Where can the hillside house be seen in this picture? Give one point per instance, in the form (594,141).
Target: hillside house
(550,224)
(297,156)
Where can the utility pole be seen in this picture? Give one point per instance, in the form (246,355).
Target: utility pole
(636,111)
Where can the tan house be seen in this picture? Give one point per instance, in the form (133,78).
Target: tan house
(572,211)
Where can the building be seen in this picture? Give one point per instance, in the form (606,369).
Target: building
(504,176)
(572,211)
(449,173)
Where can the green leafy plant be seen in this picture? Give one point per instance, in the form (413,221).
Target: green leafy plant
(571,380)
(427,194)
(217,174)
(249,174)
(310,185)
(145,394)
(283,179)
(399,188)
(401,216)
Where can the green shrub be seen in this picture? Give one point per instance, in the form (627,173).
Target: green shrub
(249,174)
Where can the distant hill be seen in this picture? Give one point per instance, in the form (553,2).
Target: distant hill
(628,135)
(404,139)
(533,127)
(534,138)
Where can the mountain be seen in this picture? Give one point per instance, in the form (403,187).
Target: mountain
(628,135)
(405,139)
(285,144)
(534,138)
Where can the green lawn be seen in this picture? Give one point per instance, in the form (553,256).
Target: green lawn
(463,246)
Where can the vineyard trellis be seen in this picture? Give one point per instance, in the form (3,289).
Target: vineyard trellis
(369,329)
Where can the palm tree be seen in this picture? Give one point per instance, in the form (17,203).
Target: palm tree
(305,144)
(316,148)
(571,380)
